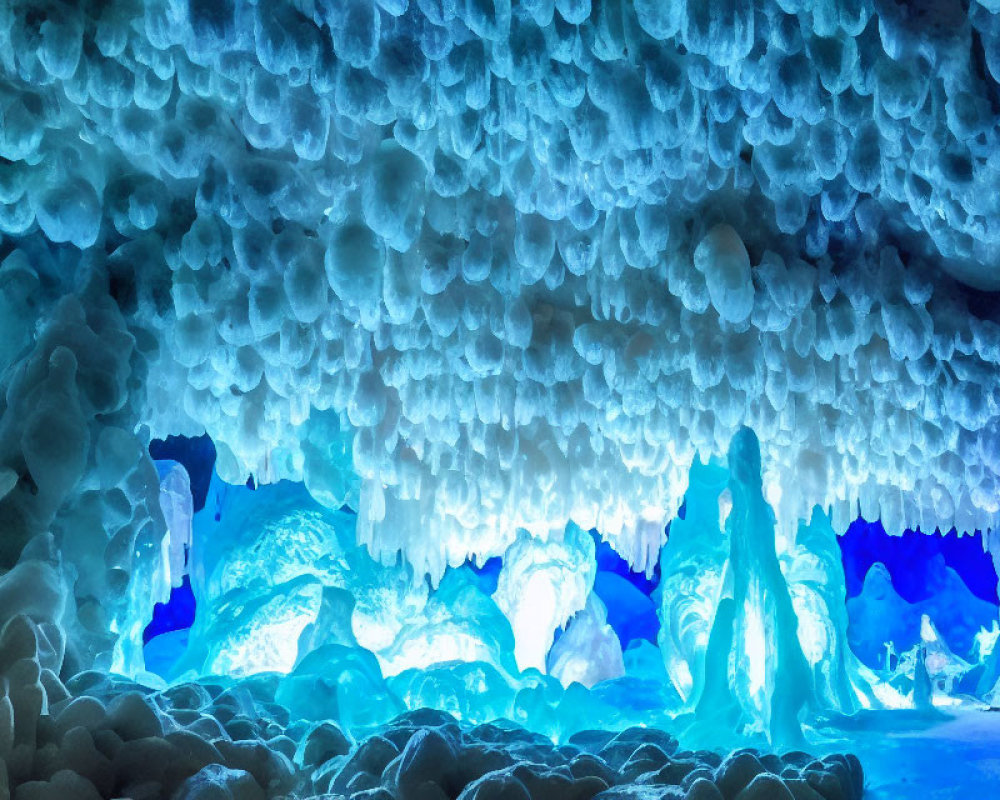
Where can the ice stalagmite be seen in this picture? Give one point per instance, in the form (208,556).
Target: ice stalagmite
(754,638)
(691,568)
(816,581)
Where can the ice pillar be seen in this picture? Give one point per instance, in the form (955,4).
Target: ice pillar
(754,665)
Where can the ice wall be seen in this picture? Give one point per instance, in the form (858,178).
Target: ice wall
(78,482)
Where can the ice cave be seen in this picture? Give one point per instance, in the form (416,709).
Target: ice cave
(499,399)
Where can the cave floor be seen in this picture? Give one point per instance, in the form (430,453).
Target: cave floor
(909,758)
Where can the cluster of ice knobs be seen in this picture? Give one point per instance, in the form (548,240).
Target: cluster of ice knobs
(478,269)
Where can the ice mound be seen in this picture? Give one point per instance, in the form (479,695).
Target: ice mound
(589,652)
(879,615)
(277,575)
(489,267)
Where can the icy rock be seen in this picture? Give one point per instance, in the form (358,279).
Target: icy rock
(500,785)
(78,754)
(141,760)
(370,758)
(70,212)
(64,784)
(644,759)
(589,766)
(323,742)
(216,782)
(703,789)
(737,772)
(802,790)
(428,760)
(86,712)
(766,786)
(131,716)
(269,768)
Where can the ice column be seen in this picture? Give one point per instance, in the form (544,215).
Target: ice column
(754,668)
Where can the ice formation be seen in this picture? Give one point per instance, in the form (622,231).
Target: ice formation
(589,652)
(529,257)
(452,280)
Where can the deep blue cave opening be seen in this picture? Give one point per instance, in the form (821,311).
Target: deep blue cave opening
(910,559)
(176,614)
(626,594)
(946,577)
(197,455)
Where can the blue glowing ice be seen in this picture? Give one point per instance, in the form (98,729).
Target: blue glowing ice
(460,297)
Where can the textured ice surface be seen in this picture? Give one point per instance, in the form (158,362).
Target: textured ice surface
(514,265)
(270,566)
(589,652)
(494,274)
(542,585)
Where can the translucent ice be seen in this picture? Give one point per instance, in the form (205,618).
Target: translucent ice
(542,585)
(755,630)
(589,652)
(261,563)
(177,506)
